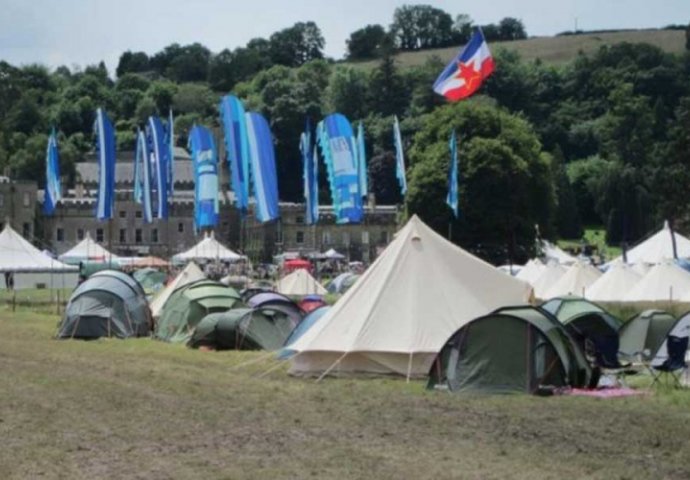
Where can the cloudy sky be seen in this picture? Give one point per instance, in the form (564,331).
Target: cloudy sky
(82,32)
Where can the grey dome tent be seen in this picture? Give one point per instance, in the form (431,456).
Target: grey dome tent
(108,304)
(243,329)
(514,349)
(189,304)
(595,332)
(646,334)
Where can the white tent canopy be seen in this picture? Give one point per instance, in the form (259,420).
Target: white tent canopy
(531,271)
(664,282)
(300,282)
(575,281)
(403,309)
(613,285)
(554,252)
(333,255)
(551,274)
(191,273)
(658,247)
(18,255)
(208,249)
(87,250)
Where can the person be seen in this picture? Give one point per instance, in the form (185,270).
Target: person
(8,281)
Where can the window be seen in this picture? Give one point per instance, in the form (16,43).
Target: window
(137,235)
(180,227)
(326,237)
(26,199)
(60,235)
(384,236)
(80,234)
(123,214)
(123,235)
(365,237)
(299,219)
(154,235)
(99,235)
(138,214)
(299,237)
(26,230)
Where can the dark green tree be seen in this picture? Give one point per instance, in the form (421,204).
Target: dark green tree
(367,42)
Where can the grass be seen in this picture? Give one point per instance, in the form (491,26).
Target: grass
(553,50)
(593,236)
(144,409)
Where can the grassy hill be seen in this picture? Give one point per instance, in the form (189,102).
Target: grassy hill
(555,50)
(146,409)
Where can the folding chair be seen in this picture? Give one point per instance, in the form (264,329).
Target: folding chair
(675,364)
(605,350)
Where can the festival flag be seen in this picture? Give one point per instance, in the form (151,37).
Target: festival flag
(142,177)
(362,162)
(105,147)
(310,175)
(452,198)
(53,191)
(263,167)
(233,119)
(399,157)
(205,160)
(170,142)
(464,75)
(159,153)
(339,150)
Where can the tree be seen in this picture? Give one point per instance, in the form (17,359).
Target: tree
(26,115)
(506,180)
(347,92)
(382,180)
(195,98)
(132,62)
(190,64)
(366,42)
(388,94)
(511,29)
(132,81)
(297,45)
(421,26)
(462,28)
(162,93)
(568,222)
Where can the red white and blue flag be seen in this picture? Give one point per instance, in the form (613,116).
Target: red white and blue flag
(465,74)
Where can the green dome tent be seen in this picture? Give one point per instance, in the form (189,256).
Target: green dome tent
(515,349)
(645,333)
(189,304)
(108,304)
(150,279)
(564,308)
(243,329)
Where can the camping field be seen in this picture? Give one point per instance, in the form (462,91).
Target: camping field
(144,409)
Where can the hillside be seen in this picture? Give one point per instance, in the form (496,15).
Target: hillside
(555,50)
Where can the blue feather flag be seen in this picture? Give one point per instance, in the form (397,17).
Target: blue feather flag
(233,119)
(170,142)
(205,159)
(53,191)
(159,153)
(362,162)
(452,198)
(263,167)
(339,150)
(105,148)
(310,175)
(142,177)
(399,157)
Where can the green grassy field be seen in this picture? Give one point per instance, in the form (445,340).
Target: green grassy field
(144,409)
(554,50)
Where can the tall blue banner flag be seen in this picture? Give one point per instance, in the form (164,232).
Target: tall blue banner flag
(362,162)
(142,177)
(105,148)
(452,198)
(170,142)
(53,191)
(263,167)
(399,157)
(159,153)
(310,176)
(233,119)
(205,159)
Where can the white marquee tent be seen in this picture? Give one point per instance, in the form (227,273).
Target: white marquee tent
(403,309)
(551,274)
(657,248)
(87,250)
(575,281)
(208,249)
(664,282)
(613,285)
(300,282)
(531,271)
(191,273)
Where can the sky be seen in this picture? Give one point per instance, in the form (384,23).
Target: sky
(84,32)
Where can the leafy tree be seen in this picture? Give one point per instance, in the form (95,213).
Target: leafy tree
(584,176)
(190,64)
(347,92)
(145,108)
(568,223)
(26,115)
(421,26)
(195,98)
(382,180)
(132,81)
(511,29)
(462,28)
(132,62)
(162,94)
(297,45)
(388,93)
(367,42)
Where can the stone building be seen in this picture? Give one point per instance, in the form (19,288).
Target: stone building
(18,205)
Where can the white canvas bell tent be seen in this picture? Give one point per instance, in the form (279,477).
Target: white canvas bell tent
(300,282)
(575,281)
(614,284)
(657,248)
(551,274)
(208,249)
(554,252)
(87,251)
(531,271)
(29,266)
(665,282)
(403,309)
(190,274)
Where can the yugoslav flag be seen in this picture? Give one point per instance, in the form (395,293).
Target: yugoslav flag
(465,74)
